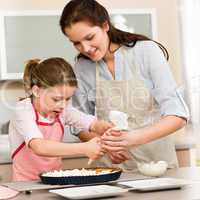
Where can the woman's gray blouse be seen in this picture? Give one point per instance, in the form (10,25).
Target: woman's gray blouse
(153,68)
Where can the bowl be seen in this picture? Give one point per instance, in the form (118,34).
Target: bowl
(152,168)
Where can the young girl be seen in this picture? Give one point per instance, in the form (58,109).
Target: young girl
(37,129)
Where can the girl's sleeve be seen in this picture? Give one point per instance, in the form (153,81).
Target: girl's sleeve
(162,84)
(25,125)
(77,119)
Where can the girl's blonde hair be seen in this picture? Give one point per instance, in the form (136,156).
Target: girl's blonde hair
(48,73)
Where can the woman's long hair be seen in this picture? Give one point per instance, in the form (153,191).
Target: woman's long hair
(93,12)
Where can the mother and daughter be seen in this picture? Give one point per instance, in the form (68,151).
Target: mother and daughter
(116,70)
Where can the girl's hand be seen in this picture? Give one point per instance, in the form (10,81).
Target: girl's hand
(118,157)
(93,148)
(100,126)
(117,140)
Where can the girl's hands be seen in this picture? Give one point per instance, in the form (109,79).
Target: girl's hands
(100,126)
(93,148)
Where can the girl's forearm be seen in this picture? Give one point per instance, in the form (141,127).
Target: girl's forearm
(51,148)
(164,127)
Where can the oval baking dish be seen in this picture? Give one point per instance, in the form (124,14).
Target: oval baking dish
(109,174)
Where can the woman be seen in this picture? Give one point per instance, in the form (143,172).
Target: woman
(127,72)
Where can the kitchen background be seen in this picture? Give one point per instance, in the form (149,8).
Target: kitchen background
(174,25)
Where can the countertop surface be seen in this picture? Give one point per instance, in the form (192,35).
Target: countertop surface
(190,192)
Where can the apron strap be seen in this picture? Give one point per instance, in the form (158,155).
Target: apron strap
(130,59)
(17,150)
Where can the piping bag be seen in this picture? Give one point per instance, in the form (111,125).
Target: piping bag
(120,121)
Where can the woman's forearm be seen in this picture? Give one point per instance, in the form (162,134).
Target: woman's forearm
(164,127)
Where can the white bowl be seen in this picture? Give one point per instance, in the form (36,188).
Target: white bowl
(152,168)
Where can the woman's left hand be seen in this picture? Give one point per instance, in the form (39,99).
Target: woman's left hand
(116,140)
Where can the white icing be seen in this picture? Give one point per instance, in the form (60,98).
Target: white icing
(75,172)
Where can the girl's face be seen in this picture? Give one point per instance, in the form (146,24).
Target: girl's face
(91,41)
(52,100)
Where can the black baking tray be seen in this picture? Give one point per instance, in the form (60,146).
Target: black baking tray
(77,180)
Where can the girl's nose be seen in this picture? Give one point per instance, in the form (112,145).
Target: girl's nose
(62,104)
(61,107)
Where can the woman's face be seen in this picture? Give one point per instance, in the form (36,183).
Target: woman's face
(91,41)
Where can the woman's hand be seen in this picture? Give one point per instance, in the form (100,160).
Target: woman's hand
(93,148)
(118,157)
(117,141)
(100,126)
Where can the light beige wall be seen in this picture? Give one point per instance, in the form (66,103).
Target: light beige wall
(167,22)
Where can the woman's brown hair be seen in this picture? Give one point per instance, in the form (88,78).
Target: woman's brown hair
(48,73)
(94,13)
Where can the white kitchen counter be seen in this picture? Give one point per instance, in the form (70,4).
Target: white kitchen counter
(185,193)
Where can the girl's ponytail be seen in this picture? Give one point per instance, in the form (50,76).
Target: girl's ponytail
(48,73)
(28,75)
